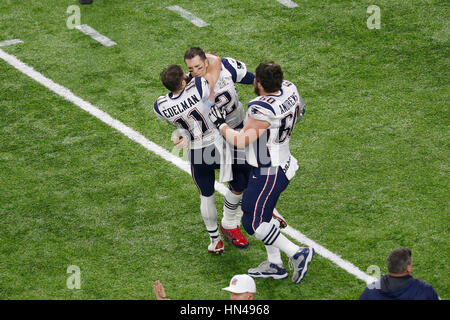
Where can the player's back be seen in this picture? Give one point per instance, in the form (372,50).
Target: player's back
(281,112)
(189,111)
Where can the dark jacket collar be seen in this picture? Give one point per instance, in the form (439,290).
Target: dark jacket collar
(390,283)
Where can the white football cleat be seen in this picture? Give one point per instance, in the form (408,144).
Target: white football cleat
(216,246)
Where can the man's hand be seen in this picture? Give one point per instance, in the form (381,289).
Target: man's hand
(217,116)
(180,142)
(159,291)
(180,138)
(213,73)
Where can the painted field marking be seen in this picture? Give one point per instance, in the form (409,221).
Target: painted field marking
(324,252)
(10,42)
(188,16)
(166,155)
(94,34)
(288,3)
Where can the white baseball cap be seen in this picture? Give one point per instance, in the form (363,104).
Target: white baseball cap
(241,283)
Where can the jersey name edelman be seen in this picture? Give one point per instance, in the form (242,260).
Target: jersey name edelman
(181,107)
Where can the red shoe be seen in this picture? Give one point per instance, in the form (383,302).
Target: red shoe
(216,246)
(235,237)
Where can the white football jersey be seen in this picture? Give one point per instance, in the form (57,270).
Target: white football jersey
(189,111)
(281,110)
(225,91)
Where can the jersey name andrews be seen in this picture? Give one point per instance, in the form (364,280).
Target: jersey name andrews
(281,111)
(181,107)
(289,103)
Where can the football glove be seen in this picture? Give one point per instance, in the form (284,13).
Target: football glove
(217,116)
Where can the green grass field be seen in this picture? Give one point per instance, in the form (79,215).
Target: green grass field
(373,147)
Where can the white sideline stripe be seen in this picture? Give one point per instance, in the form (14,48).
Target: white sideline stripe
(188,16)
(324,252)
(163,153)
(94,34)
(10,42)
(288,3)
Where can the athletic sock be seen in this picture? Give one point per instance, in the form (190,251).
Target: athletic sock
(239,214)
(274,255)
(209,215)
(231,214)
(214,234)
(285,245)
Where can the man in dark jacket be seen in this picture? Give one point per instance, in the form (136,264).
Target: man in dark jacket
(399,284)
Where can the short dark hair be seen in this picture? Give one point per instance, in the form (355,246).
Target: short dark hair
(399,260)
(172,77)
(270,75)
(193,52)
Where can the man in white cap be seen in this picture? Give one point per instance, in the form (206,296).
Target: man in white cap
(242,287)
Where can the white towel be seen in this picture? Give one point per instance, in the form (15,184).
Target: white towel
(226,160)
(290,167)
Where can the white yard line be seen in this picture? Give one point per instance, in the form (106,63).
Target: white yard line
(166,155)
(10,42)
(288,3)
(188,16)
(94,34)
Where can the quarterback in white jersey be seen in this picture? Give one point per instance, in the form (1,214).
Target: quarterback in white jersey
(187,108)
(271,117)
(222,74)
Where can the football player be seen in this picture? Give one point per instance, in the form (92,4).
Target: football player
(271,117)
(222,74)
(187,108)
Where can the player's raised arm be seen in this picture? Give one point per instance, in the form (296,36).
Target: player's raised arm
(213,73)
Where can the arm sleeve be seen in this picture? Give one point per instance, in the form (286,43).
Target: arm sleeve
(261,111)
(238,71)
(157,111)
(248,78)
(432,294)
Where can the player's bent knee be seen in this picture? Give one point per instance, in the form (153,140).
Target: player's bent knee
(247,204)
(267,232)
(262,231)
